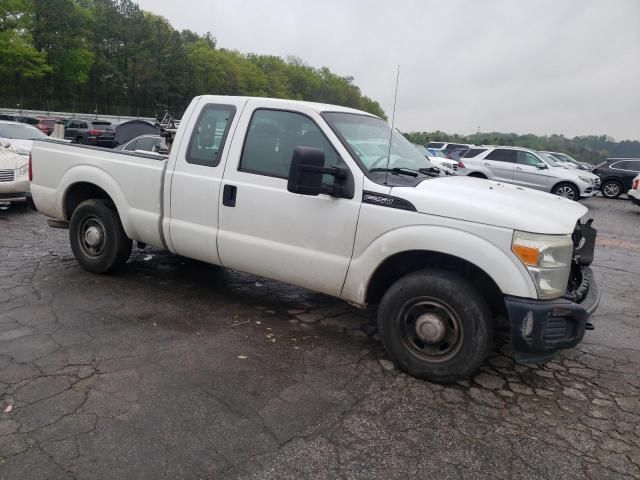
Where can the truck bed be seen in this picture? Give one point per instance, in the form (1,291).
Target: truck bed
(133,180)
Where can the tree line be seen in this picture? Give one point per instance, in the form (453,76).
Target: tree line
(111,57)
(591,148)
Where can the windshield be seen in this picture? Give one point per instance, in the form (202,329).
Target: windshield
(21,132)
(368,139)
(436,153)
(566,158)
(550,159)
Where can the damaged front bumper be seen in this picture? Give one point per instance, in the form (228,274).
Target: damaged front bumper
(539,328)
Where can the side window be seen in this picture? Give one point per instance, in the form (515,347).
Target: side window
(473,152)
(526,158)
(131,146)
(272,137)
(502,155)
(208,137)
(146,143)
(83,125)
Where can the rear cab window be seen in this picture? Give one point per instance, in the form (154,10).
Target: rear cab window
(209,135)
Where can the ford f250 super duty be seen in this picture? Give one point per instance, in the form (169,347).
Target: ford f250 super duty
(308,194)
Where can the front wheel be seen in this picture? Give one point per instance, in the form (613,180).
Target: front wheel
(435,325)
(97,238)
(567,190)
(611,189)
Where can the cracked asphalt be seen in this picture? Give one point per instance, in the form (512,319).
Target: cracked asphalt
(176,369)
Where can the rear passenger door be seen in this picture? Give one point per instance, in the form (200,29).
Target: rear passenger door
(500,164)
(626,170)
(527,173)
(267,230)
(196,178)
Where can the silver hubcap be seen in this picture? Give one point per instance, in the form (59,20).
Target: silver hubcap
(430,328)
(611,189)
(93,237)
(566,192)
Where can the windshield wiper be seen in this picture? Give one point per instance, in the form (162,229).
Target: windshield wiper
(431,171)
(397,171)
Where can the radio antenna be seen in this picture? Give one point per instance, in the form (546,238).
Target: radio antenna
(393,123)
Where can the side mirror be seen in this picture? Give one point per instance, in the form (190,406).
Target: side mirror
(5,143)
(306,172)
(541,166)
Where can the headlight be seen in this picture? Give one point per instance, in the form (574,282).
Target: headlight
(20,150)
(548,259)
(587,180)
(23,170)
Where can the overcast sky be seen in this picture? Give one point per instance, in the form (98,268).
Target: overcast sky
(538,66)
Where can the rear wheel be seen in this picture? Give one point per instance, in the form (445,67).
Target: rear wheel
(97,238)
(611,189)
(567,190)
(435,325)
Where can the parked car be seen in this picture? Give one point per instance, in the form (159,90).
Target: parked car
(527,168)
(14,174)
(439,159)
(20,136)
(634,193)
(47,124)
(616,175)
(146,143)
(281,188)
(97,133)
(447,147)
(570,161)
(8,117)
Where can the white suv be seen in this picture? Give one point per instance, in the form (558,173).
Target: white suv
(527,168)
(634,193)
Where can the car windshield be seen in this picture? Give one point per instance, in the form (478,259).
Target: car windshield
(549,159)
(368,138)
(21,132)
(436,153)
(566,158)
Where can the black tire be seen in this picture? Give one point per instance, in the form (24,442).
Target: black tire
(566,190)
(477,175)
(611,189)
(97,238)
(457,303)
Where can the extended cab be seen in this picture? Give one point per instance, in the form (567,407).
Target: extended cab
(284,189)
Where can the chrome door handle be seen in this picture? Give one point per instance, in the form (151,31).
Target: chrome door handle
(518,169)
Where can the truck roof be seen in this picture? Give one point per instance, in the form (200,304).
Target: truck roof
(283,103)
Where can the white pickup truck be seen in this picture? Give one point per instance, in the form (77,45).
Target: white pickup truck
(292,191)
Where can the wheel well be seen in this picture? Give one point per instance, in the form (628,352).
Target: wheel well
(477,175)
(78,193)
(568,183)
(401,264)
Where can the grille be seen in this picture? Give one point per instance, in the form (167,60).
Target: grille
(7,175)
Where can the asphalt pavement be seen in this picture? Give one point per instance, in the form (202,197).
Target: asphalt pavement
(176,369)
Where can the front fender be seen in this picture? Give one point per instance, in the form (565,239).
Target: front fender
(492,256)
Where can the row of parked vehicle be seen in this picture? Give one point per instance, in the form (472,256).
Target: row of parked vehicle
(17,134)
(553,172)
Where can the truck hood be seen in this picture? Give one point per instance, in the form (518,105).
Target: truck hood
(494,203)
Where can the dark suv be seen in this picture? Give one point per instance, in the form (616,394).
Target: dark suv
(98,133)
(616,175)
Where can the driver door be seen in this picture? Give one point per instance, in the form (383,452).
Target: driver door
(527,174)
(269,231)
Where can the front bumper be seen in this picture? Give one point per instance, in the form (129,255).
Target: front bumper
(14,187)
(539,328)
